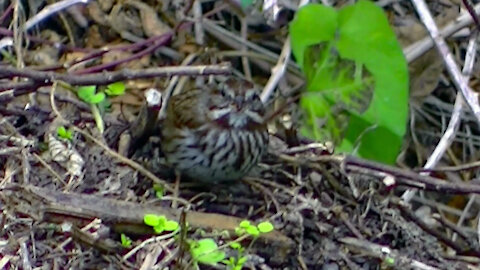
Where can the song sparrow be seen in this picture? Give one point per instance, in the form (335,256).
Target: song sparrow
(215,134)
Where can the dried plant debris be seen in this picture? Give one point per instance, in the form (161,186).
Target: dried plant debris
(70,201)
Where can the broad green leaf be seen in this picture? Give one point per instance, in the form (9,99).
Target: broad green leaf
(235,245)
(97,98)
(171,225)
(244,224)
(160,228)
(312,24)
(357,80)
(253,231)
(125,240)
(265,227)
(151,220)
(115,89)
(63,133)
(86,92)
(206,251)
(242,260)
(373,43)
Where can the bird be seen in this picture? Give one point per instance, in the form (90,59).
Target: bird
(215,133)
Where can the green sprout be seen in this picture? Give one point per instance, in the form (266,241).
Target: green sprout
(115,89)
(235,264)
(63,133)
(159,190)
(97,98)
(160,223)
(125,240)
(245,227)
(89,94)
(206,251)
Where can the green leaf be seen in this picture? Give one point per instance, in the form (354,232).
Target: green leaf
(160,228)
(382,127)
(244,224)
(312,24)
(206,251)
(159,190)
(242,260)
(357,79)
(253,231)
(125,240)
(151,220)
(86,92)
(235,245)
(97,98)
(63,133)
(265,227)
(115,89)
(171,225)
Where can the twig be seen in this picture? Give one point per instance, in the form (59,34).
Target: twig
(164,39)
(279,69)
(454,123)
(471,10)
(383,252)
(50,10)
(171,85)
(104,78)
(197,15)
(415,50)
(457,77)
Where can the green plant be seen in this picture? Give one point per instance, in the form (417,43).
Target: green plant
(159,190)
(206,251)
(246,228)
(97,99)
(125,240)
(160,223)
(63,133)
(115,89)
(357,79)
(89,94)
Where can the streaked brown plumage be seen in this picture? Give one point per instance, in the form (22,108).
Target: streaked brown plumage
(215,135)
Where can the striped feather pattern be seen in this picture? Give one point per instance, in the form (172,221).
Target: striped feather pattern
(209,146)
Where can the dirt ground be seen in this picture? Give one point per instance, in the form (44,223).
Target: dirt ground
(66,203)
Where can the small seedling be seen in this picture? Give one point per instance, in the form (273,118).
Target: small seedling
(89,95)
(115,89)
(265,227)
(160,223)
(206,251)
(159,190)
(235,264)
(98,101)
(245,227)
(63,133)
(126,241)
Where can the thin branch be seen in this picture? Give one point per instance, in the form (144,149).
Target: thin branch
(415,50)
(458,79)
(454,123)
(47,77)
(50,10)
